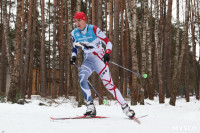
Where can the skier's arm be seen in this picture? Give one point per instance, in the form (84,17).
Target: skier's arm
(75,48)
(103,38)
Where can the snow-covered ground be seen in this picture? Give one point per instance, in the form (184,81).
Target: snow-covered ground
(162,118)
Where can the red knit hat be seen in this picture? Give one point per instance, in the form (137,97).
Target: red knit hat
(80,15)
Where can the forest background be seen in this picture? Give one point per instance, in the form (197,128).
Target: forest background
(148,36)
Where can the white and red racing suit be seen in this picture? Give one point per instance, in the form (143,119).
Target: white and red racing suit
(93,36)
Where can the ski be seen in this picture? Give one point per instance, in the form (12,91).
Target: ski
(79,117)
(136,119)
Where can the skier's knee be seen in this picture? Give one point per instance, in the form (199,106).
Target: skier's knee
(83,75)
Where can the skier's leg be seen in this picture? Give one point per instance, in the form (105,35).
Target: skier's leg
(84,73)
(107,80)
(104,72)
(108,83)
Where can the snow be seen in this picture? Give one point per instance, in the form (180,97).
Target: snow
(162,118)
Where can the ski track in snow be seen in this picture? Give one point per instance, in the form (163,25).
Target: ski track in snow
(162,118)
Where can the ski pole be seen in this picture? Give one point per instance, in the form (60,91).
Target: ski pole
(144,75)
(104,100)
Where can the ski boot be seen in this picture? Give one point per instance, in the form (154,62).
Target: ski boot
(91,110)
(129,112)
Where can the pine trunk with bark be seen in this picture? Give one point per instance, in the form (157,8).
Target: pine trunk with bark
(61,50)
(195,66)
(150,68)
(7,39)
(14,85)
(43,56)
(122,51)
(28,48)
(126,53)
(99,85)
(142,89)
(178,63)
(3,62)
(132,13)
(68,46)
(22,45)
(111,20)
(80,97)
(53,91)
(168,46)
(158,54)
(115,48)
(198,12)
(106,20)
(100,14)
(33,42)
(1,12)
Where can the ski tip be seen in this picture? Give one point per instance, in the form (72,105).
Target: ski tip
(136,120)
(52,118)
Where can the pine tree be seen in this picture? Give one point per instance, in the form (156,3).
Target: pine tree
(43,56)
(61,50)
(53,92)
(132,13)
(178,64)
(115,49)
(14,85)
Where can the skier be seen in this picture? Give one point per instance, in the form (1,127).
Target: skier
(90,37)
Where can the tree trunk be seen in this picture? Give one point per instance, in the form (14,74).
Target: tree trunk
(93,12)
(178,63)
(100,25)
(79,97)
(28,47)
(111,20)
(78,5)
(53,91)
(167,50)
(43,60)
(106,13)
(158,55)
(1,12)
(150,71)
(122,51)
(9,13)
(198,12)
(49,50)
(14,86)
(6,30)
(126,54)
(195,66)
(3,62)
(68,46)
(115,49)
(100,14)
(143,51)
(132,21)
(61,49)
(22,46)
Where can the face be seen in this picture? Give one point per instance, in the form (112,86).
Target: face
(80,24)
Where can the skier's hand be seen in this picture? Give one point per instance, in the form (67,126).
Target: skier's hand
(72,60)
(106,58)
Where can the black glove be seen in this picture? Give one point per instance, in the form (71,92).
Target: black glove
(106,58)
(72,60)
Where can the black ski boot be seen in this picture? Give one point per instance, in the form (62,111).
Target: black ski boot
(91,110)
(129,112)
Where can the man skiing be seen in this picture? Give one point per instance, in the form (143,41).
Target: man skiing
(90,38)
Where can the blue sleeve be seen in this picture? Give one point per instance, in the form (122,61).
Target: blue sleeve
(75,48)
